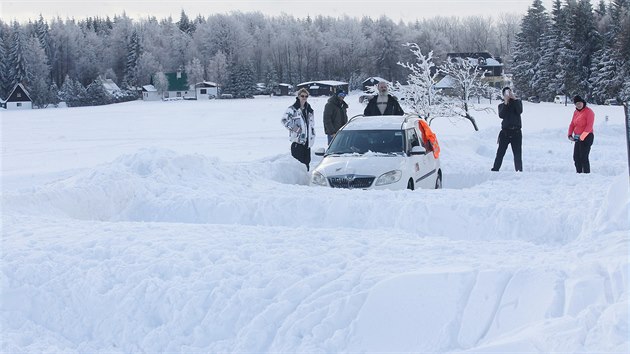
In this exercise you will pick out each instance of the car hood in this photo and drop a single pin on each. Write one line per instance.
(363, 165)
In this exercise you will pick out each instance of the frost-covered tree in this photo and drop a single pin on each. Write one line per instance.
(160, 82)
(194, 71)
(37, 83)
(147, 66)
(420, 95)
(468, 80)
(217, 68)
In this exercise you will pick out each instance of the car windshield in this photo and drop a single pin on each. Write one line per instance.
(362, 141)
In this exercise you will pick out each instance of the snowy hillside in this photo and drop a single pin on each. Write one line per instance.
(186, 226)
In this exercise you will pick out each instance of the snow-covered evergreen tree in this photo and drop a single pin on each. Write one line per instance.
(185, 25)
(5, 81)
(17, 66)
(585, 41)
(548, 77)
(133, 55)
(96, 94)
(528, 47)
(241, 81)
(53, 94)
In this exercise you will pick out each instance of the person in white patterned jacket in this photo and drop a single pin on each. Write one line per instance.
(299, 119)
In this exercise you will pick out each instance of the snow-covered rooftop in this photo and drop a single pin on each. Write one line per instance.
(149, 88)
(110, 86)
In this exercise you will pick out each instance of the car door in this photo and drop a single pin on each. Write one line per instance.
(423, 166)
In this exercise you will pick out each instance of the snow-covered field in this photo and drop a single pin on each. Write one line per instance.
(187, 227)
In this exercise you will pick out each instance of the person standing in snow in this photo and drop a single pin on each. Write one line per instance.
(335, 114)
(383, 103)
(299, 120)
(581, 132)
(510, 112)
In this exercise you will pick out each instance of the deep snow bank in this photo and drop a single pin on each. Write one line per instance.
(161, 185)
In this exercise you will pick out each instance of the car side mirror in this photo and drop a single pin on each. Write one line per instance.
(418, 150)
(320, 151)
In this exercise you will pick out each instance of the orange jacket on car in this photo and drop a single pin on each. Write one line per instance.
(429, 140)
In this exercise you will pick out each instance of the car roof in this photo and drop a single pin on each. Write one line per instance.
(380, 122)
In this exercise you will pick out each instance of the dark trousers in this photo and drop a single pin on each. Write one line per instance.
(580, 154)
(513, 137)
(301, 153)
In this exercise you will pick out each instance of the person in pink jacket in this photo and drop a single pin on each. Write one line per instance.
(581, 132)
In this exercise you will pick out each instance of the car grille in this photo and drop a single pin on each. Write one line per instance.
(350, 181)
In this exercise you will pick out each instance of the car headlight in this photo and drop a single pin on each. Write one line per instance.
(389, 177)
(318, 179)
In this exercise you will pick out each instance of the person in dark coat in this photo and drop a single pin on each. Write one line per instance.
(383, 103)
(335, 114)
(510, 112)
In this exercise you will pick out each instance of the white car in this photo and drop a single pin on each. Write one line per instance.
(378, 152)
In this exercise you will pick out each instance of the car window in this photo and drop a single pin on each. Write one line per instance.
(362, 141)
(412, 139)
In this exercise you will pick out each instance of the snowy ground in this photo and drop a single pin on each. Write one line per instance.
(187, 227)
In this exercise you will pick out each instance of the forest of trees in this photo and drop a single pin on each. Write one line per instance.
(573, 48)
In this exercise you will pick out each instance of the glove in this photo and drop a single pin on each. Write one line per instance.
(570, 137)
(576, 137)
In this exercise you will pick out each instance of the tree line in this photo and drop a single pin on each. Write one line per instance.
(44, 55)
(574, 49)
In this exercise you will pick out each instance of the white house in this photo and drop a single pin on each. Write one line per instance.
(206, 90)
(18, 99)
(150, 93)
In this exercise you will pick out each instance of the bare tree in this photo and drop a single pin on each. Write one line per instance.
(420, 94)
(468, 80)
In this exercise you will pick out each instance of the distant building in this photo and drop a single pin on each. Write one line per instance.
(178, 86)
(206, 90)
(371, 82)
(283, 90)
(18, 99)
(111, 87)
(324, 88)
(150, 93)
(486, 62)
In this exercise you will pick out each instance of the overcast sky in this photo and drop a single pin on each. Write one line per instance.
(408, 10)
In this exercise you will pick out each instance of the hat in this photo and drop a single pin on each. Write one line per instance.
(342, 93)
(505, 89)
(578, 98)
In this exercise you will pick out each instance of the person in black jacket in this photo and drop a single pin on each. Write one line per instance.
(383, 103)
(510, 111)
(335, 114)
